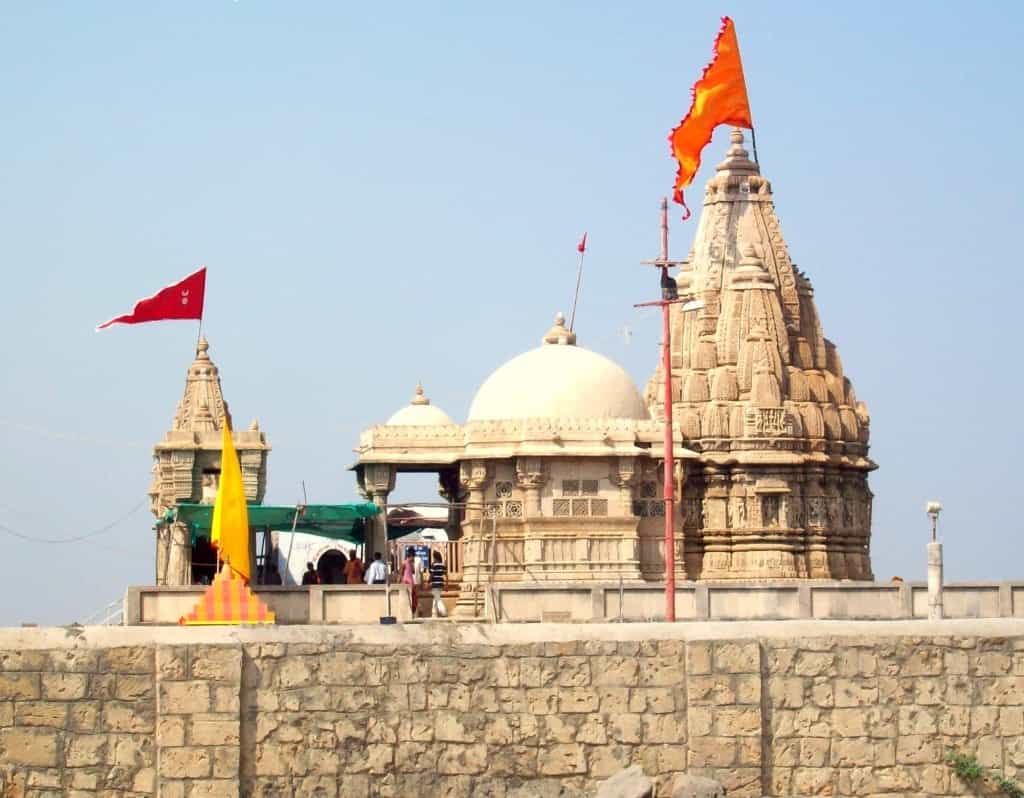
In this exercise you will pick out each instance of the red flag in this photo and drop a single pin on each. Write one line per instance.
(183, 300)
(719, 98)
(582, 246)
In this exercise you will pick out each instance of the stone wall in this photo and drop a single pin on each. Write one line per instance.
(784, 708)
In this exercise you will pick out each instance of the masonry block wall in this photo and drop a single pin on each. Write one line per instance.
(373, 712)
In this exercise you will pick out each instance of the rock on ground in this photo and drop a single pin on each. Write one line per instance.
(629, 783)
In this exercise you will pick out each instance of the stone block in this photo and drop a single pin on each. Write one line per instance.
(515, 761)
(737, 658)
(84, 716)
(29, 747)
(170, 730)
(855, 693)
(737, 721)
(685, 786)
(226, 761)
(127, 659)
(130, 750)
(6, 713)
(73, 660)
(458, 759)
(134, 688)
(119, 716)
(171, 663)
(662, 672)
(23, 660)
(185, 763)
(562, 759)
(668, 728)
(617, 672)
(852, 752)
(184, 698)
(216, 663)
(606, 760)
(213, 729)
(41, 713)
(64, 686)
(717, 690)
(786, 692)
(84, 750)
(630, 783)
(814, 752)
(577, 699)
(19, 686)
(712, 752)
(213, 788)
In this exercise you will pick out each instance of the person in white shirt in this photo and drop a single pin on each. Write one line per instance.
(377, 573)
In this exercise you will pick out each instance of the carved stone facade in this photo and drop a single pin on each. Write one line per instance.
(186, 464)
(761, 395)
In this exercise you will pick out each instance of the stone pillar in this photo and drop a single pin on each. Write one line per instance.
(179, 560)
(623, 474)
(474, 475)
(530, 478)
(718, 537)
(935, 581)
(378, 482)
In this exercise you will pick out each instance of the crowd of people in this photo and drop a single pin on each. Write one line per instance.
(411, 573)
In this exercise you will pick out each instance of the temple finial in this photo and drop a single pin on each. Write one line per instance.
(419, 398)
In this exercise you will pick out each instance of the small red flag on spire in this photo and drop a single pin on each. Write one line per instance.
(582, 246)
(182, 300)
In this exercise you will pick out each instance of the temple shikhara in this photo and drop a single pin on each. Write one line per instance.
(556, 474)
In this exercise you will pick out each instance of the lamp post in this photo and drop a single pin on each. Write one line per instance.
(669, 296)
(935, 609)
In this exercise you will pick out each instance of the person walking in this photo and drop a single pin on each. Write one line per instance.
(377, 573)
(438, 572)
(311, 577)
(353, 569)
(409, 576)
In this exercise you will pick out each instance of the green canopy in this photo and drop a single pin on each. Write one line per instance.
(336, 521)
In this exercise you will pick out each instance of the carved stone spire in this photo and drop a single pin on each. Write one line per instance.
(202, 408)
(765, 396)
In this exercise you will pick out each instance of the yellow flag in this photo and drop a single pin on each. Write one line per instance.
(229, 531)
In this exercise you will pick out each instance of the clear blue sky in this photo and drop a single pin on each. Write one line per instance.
(393, 192)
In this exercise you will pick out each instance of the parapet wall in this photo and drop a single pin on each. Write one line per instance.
(783, 708)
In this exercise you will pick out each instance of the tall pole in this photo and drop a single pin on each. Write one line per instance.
(670, 467)
(670, 462)
(668, 298)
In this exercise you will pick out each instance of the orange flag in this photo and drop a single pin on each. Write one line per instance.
(719, 98)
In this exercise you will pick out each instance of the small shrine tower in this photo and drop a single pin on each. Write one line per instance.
(186, 464)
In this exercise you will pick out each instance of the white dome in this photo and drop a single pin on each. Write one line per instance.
(558, 380)
(419, 413)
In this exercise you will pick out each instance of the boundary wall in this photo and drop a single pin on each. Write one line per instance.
(515, 602)
(768, 708)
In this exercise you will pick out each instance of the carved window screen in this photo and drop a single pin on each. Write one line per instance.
(770, 510)
(503, 490)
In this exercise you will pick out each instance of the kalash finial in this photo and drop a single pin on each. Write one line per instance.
(559, 333)
(419, 398)
(202, 345)
(737, 159)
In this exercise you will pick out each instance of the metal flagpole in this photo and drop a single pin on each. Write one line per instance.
(753, 143)
(668, 298)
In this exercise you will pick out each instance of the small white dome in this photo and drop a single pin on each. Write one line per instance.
(419, 413)
(558, 380)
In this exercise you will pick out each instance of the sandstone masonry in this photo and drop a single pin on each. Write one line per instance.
(786, 708)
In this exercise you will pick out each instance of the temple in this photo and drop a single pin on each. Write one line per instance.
(556, 475)
(186, 465)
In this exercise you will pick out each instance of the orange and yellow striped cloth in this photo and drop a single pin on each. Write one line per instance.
(229, 600)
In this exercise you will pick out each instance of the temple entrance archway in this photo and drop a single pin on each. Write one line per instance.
(330, 567)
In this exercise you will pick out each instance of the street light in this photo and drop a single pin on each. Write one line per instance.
(935, 609)
(669, 296)
(933, 508)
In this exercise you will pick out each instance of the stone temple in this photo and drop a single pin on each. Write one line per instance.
(556, 475)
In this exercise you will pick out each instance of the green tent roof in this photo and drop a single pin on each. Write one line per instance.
(337, 521)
